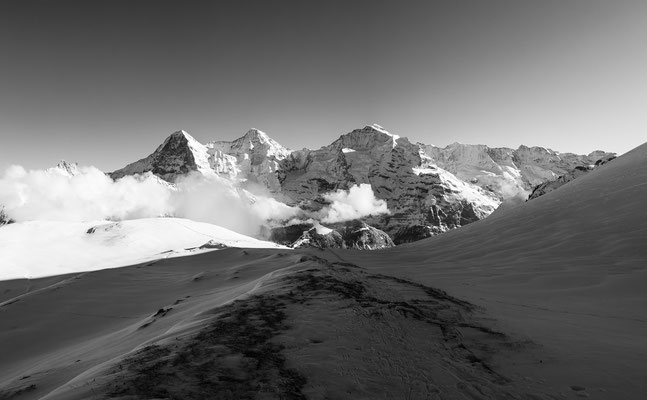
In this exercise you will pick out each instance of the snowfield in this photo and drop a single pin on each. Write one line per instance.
(37, 249)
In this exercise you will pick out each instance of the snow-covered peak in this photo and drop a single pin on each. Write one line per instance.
(254, 143)
(188, 137)
(65, 168)
(257, 135)
(378, 128)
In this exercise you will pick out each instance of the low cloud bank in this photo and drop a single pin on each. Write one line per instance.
(91, 195)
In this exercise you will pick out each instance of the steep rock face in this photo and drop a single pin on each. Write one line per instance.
(575, 173)
(178, 155)
(416, 192)
(504, 171)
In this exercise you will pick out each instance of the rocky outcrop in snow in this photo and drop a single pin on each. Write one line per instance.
(350, 235)
(359, 235)
(4, 218)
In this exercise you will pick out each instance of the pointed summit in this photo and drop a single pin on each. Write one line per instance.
(254, 133)
(255, 144)
(179, 154)
(65, 168)
(178, 138)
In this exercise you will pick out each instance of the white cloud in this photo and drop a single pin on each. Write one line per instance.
(219, 201)
(358, 202)
(90, 195)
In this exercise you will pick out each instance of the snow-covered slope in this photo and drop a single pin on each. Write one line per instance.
(44, 248)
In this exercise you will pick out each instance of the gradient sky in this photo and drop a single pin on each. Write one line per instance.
(103, 83)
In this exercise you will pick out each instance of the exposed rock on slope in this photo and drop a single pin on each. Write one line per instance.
(578, 171)
(320, 238)
(359, 235)
(4, 218)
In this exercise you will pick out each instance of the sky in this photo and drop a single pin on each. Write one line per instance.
(103, 83)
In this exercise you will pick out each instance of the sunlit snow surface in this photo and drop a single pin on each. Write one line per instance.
(43, 248)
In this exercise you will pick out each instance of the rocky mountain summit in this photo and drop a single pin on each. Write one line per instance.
(427, 189)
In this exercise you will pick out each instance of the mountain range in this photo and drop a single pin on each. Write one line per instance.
(427, 189)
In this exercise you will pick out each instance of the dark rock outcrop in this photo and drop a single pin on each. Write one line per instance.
(350, 235)
(4, 218)
(575, 173)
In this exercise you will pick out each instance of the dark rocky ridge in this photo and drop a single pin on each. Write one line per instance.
(575, 173)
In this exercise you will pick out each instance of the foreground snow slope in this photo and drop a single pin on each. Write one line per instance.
(44, 248)
(567, 270)
(600, 215)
